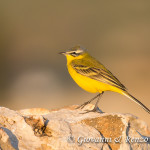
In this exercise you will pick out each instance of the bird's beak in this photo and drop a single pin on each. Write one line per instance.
(62, 53)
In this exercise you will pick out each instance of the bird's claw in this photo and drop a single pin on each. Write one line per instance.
(83, 105)
(95, 109)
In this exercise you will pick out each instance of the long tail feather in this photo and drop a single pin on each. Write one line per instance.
(137, 101)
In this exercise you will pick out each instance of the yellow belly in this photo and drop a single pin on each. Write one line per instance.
(91, 85)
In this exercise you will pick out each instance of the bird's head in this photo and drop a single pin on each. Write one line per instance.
(76, 52)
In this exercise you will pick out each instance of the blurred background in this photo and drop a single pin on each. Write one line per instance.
(33, 74)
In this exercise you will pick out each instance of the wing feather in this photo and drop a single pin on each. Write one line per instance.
(99, 74)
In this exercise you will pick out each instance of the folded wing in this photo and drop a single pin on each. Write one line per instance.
(97, 73)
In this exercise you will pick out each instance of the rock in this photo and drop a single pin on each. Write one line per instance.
(71, 129)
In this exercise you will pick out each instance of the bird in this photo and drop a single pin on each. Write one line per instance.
(93, 76)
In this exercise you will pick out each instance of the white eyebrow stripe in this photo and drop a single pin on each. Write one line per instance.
(75, 52)
(79, 51)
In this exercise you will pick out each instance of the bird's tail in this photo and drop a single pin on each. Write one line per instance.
(137, 101)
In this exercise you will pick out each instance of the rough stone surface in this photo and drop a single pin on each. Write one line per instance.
(71, 129)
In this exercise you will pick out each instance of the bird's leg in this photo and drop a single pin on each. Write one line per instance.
(96, 105)
(84, 104)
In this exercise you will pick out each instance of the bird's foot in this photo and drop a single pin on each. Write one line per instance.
(83, 105)
(95, 109)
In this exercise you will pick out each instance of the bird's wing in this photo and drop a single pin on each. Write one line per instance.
(97, 73)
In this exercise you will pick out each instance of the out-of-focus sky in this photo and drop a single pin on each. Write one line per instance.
(33, 74)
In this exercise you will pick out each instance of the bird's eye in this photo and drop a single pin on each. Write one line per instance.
(74, 54)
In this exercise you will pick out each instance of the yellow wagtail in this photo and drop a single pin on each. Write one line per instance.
(93, 77)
